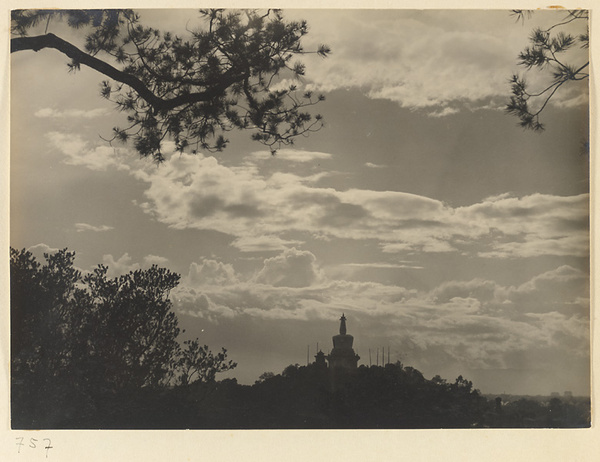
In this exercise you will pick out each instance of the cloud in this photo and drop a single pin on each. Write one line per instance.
(79, 152)
(211, 272)
(563, 290)
(535, 225)
(263, 243)
(371, 165)
(155, 260)
(413, 59)
(292, 268)
(125, 264)
(444, 112)
(259, 210)
(480, 289)
(119, 267)
(423, 59)
(81, 227)
(71, 113)
(383, 265)
(421, 244)
(39, 250)
(292, 155)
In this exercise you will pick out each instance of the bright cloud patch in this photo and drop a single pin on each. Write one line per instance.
(121, 266)
(211, 272)
(292, 155)
(71, 113)
(125, 264)
(39, 250)
(534, 225)
(81, 227)
(564, 289)
(155, 260)
(443, 112)
(263, 243)
(79, 152)
(293, 268)
(383, 265)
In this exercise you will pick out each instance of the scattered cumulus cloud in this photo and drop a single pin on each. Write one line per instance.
(444, 112)
(535, 225)
(81, 227)
(564, 289)
(125, 263)
(39, 250)
(292, 268)
(71, 113)
(150, 260)
(211, 272)
(480, 289)
(119, 267)
(263, 243)
(80, 152)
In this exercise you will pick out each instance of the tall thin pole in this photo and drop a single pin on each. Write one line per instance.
(378, 356)
(383, 356)
(370, 357)
(388, 354)
(307, 353)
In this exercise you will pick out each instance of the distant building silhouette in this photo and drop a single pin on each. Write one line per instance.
(320, 360)
(342, 359)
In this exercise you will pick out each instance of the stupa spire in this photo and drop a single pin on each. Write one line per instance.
(342, 359)
(343, 324)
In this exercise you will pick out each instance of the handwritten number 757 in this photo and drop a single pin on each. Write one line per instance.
(33, 444)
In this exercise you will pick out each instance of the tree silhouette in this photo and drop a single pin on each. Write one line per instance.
(548, 52)
(227, 74)
(79, 340)
(198, 364)
(133, 328)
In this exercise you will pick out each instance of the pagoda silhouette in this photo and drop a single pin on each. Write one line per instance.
(342, 360)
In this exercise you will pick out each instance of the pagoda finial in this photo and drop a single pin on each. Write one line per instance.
(343, 324)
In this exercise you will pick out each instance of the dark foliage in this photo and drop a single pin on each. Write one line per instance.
(192, 89)
(373, 397)
(540, 412)
(80, 342)
(547, 52)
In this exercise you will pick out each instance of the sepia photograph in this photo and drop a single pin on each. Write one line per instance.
(269, 219)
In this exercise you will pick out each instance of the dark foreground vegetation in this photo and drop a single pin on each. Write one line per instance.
(98, 353)
(300, 397)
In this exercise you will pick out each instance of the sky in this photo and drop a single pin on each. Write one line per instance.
(444, 232)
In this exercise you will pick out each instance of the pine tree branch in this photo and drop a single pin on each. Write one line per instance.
(50, 40)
